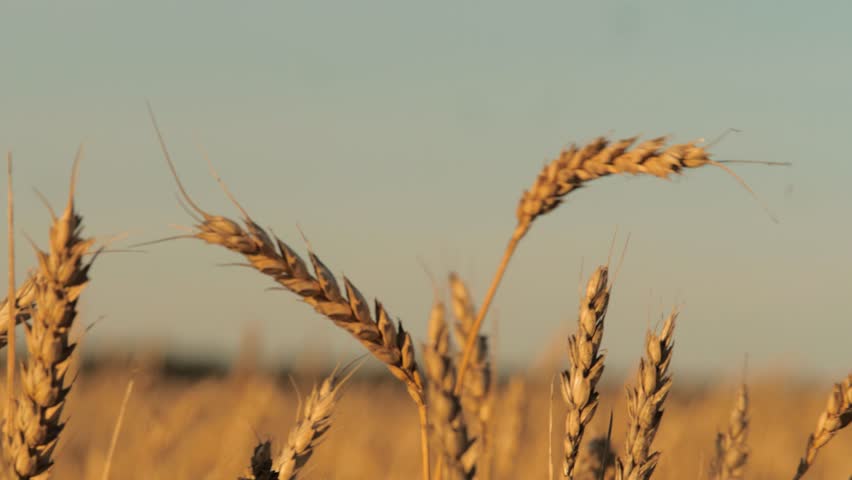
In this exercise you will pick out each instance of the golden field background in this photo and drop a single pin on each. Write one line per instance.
(205, 426)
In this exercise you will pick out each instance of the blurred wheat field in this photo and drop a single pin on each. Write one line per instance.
(206, 428)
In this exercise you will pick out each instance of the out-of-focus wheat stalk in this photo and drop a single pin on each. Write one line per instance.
(269, 255)
(60, 279)
(732, 445)
(457, 460)
(572, 169)
(587, 363)
(476, 392)
(645, 405)
(513, 409)
(837, 415)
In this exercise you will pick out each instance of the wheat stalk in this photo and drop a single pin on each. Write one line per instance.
(587, 364)
(837, 415)
(732, 446)
(645, 405)
(445, 410)
(477, 389)
(269, 255)
(572, 169)
(61, 277)
(512, 425)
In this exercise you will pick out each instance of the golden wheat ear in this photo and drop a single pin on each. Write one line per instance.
(836, 416)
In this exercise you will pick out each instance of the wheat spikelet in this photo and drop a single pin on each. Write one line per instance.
(587, 364)
(61, 277)
(837, 415)
(24, 298)
(445, 409)
(476, 391)
(645, 405)
(573, 168)
(731, 446)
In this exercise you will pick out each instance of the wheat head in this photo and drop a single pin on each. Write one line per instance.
(837, 415)
(587, 364)
(645, 405)
(445, 409)
(56, 287)
(732, 446)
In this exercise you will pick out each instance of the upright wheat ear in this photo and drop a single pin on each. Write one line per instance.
(57, 284)
(837, 415)
(732, 446)
(572, 169)
(645, 405)
(579, 382)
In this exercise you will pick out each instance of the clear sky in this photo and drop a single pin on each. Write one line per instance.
(391, 131)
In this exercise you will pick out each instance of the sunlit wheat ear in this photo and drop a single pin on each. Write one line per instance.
(456, 450)
(837, 415)
(732, 445)
(579, 382)
(476, 392)
(314, 421)
(345, 306)
(645, 405)
(574, 168)
(57, 284)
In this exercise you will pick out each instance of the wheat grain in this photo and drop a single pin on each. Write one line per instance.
(24, 299)
(837, 415)
(587, 363)
(732, 447)
(645, 405)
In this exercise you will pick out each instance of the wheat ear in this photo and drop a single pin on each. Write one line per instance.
(645, 405)
(579, 382)
(457, 459)
(269, 255)
(61, 277)
(732, 446)
(837, 415)
(572, 169)
(261, 463)
(512, 424)
(476, 392)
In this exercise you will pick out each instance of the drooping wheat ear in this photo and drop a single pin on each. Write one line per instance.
(350, 311)
(579, 382)
(476, 392)
(837, 415)
(25, 297)
(645, 405)
(512, 425)
(570, 171)
(596, 460)
(60, 279)
(314, 421)
(732, 445)
(445, 409)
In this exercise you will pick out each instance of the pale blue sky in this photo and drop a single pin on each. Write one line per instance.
(396, 130)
